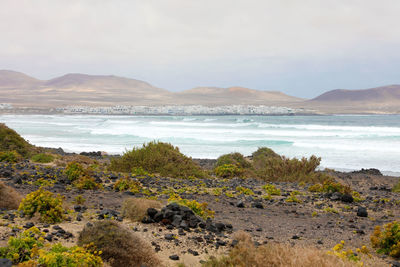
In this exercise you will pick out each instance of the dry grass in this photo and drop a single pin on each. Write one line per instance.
(119, 245)
(9, 197)
(245, 254)
(135, 209)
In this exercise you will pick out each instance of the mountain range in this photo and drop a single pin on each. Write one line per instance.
(21, 90)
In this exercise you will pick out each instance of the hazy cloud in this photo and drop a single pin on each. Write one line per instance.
(301, 47)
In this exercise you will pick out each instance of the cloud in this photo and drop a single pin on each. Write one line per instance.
(167, 38)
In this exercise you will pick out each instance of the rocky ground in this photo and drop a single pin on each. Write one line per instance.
(317, 219)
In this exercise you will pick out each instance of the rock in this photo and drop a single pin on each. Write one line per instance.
(169, 237)
(221, 243)
(151, 212)
(48, 238)
(29, 225)
(240, 204)
(347, 198)
(362, 212)
(257, 205)
(5, 263)
(336, 196)
(195, 253)
(295, 237)
(174, 257)
(395, 264)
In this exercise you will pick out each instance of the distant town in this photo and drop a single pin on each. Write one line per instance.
(162, 110)
(183, 110)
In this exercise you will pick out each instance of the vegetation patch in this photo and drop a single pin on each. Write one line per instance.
(43, 158)
(245, 253)
(10, 198)
(10, 140)
(127, 184)
(330, 186)
(46, 204)
(10, 156)
(396, 188)
(28, 250)
(160, 158)
(228, 171)
(198, 208)
(119, 246)
(135, 209)
(387, 240)
(87, 183)
(74, 170)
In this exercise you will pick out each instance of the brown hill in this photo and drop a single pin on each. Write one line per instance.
(77, 89)
(233, 96)
(9, 78)
(389, 93)
(385, 99)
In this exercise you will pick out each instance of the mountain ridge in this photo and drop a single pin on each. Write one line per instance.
(22, 90)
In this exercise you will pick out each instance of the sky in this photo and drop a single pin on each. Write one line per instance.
(302, 48)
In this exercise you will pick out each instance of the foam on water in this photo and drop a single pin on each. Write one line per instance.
(343, 142)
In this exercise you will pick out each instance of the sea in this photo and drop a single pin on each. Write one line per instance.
(344, 142)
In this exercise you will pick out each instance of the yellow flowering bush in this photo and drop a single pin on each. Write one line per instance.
(198, 208)
(48, 205)
(228, 171)
(60, 256)
(388, 240)
(87, 183)
(19, 249)
(74, 171)
(272, 190)
(339, 251)
(330, 186)
(124, 184)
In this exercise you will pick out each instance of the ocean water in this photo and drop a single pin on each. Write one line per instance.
(347, 142)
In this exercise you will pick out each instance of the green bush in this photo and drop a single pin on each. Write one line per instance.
(19, 249)
(236, 159)
(27, 249)
(60, 256)
(160, 158)
(11, 140)
(74, 170)
(388, 240)
(330, 186)
(228, 171)
(126, 183)
(42, 158)
(10, 156)
(87, 183)
(291, 170)
(46, 204)
(271, 190)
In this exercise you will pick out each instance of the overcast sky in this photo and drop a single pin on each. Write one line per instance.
(302, 48)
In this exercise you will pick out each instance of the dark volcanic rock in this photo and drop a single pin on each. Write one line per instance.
(362, 212)
(5, 263)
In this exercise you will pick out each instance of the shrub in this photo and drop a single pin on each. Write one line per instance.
(244, 190)
(290, 170)
(43, 158)
(19, 248)
(60, 256)
(10, 198)
(119, 246)
(228, 171)
(49, 207)
(198, 208)
(135, 209)
(270, 189)
(28, 250)
(330, 186)
(126, 183)
(87, 183)
(11, 140)
(388, 240)
(74, 170)
(10, 156)
(261, 155)
(158, 157)
(245, 253)
(79, 200)
(236, 159)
